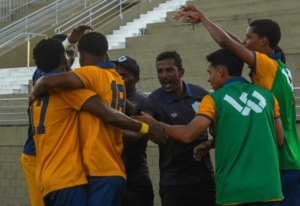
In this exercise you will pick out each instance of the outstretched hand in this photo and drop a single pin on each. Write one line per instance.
(78, 32)
(146, 118)
(189, 14)
(157, 134)
(201, 150)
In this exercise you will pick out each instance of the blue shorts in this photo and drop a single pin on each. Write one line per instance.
(290, 181)
(105, 191)
(72, 196)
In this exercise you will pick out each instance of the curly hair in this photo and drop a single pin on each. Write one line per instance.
(170, 55)
(47, 54)
(233, 64)
(93, 43)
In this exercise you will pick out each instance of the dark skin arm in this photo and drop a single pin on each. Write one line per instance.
(115, 118)
(64, 80)
(131, 136)
(279, 132)
(184, 134)
(220, 35)
(192, 8)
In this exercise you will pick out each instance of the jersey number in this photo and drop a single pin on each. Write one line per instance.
(286, 72)
(249, 105)
(117, 89)
(41, 127)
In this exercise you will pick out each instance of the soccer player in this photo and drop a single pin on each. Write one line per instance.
(183, 181)
(139, 190)
(28, 154)
(269, 72)
(101, 143)
(247, 167)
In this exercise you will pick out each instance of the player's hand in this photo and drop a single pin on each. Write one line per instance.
(189, 8)
(189, 14)
(146, 118)
(156, 134)
(201, 150)
(32, 96)
(78, 32)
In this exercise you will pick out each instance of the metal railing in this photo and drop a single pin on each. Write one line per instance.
(25, 120)
(9, 7)
(96, 12)
(37, 22)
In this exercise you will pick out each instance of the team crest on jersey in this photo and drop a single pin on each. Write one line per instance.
(196, 106)
(174, 114)
(122, 58)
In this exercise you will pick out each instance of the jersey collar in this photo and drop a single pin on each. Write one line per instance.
(51, 72)
(169, 99)
(236, 79)
(106, 65)
(275, 56)
(131, 92)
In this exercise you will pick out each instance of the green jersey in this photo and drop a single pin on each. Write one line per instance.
(273, 75)
(247, 167)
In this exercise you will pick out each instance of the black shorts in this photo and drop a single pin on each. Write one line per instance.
(138, 194)
(199, 194)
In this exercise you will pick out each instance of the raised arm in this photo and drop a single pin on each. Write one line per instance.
(192, 8)
(220, 35)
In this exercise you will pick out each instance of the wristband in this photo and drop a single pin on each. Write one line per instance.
(67, 45)
(144, 129)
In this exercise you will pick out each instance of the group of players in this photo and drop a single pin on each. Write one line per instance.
(79, 124)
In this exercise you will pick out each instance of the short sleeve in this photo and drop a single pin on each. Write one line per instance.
(148, 106)
(264, 70)
(77, 98)
(276, 108)
(88, 76)
(207, 108)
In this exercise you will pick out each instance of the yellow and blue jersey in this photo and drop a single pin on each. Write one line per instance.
(55, 123)
(102, 143)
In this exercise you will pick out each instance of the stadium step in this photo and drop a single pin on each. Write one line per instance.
(136, 27)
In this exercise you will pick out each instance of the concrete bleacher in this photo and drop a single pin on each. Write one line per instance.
(193, 41)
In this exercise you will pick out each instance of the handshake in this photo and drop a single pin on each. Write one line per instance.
(156, 129)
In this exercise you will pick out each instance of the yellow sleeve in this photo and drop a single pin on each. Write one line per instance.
(276, 108)
(207, 108)
(88, 76)
(77, 98)
(264, 70)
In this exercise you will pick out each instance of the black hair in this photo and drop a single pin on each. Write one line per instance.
(170, 55)
(233, 64)
(267, 28)
(60, 37)
(279, 50)
(47, 54)
(93, 43)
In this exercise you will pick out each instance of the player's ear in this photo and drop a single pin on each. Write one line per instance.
(222, 71)
(264, 41)
(181, 72)
(136, 79)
